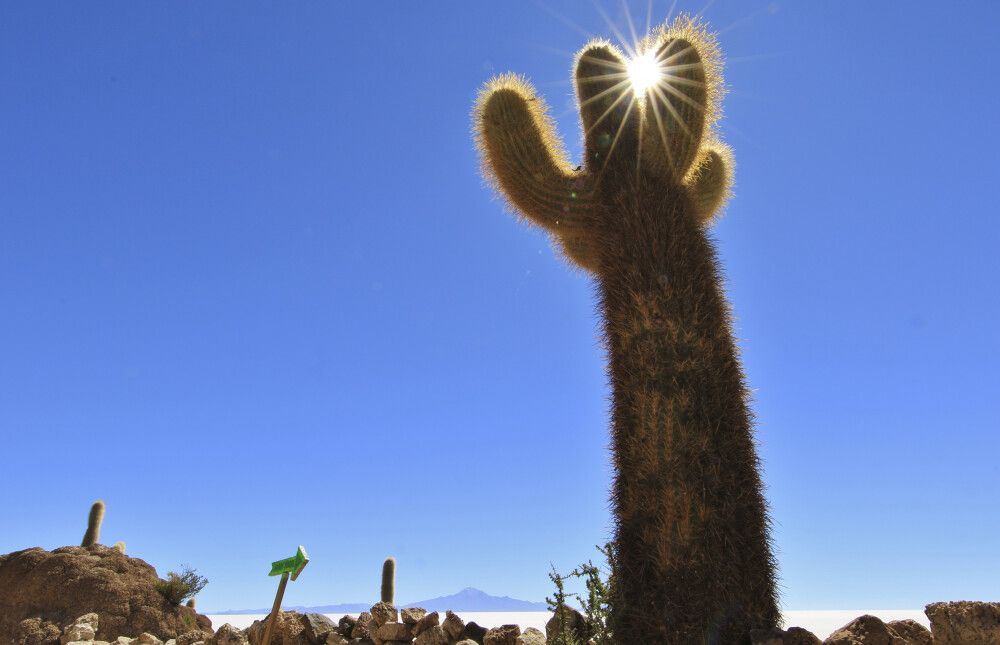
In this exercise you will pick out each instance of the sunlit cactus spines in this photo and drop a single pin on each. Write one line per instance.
(389, 580)
(93, 534)
(691, 552)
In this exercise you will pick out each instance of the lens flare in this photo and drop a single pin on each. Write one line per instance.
(644, 72)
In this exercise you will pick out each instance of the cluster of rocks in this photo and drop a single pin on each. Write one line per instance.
(84, 631)
(952, 623)
(382, 625)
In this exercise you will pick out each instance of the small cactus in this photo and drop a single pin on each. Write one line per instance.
(120, 546)
(389, 580)
(191, 603)
(93, 533)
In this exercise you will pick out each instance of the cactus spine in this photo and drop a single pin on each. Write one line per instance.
(691, 551)
(389, 580)
(93, 534)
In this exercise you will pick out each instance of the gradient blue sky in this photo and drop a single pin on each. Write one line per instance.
(254, 294)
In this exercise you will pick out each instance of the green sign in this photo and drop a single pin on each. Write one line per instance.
(293, 565)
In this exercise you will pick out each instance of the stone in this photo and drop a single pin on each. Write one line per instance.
(35, 631)
(467, 641)
(345, 625)
(964, 622)
(411, 615)
(362, 627)
(146, 638)
(91, 619)
(574, 621)
(394, 632)
(382, 613)
(452, 626)
(912, 632)
(777, 636)
(474, 632)
(187, 638)
(125, 640)
(502, 635)
(531, 636)
(864, 630)
(316, 627)
(428, 621)
(77, 632)
(288, 630)
(433, 635)
(172, 641)
(336, 638)
(227, 635)
(61, 585)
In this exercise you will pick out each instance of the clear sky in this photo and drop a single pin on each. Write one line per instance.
(254, 294)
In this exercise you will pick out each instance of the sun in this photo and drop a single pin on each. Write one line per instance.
(644, 72)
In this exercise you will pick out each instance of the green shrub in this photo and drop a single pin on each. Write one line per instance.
(180, 586)
(595, 605)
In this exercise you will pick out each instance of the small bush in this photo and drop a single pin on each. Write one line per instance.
(596, 607)
(180, 586)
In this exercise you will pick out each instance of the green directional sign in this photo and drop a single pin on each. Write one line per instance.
(293, 565)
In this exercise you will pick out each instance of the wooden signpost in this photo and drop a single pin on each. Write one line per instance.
(294, 566)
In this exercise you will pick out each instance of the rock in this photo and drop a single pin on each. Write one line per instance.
(467, 641)
(91, 619)
(428, 621)
(336, 638)
(345, 625)
(363, 626)
(77, 632)
(531, 636)
(187, 638)
(474, 632)
(146, 638)
(502, 635)
(226, 635)
(964, 622)
(865, 630)
(382, 613)
(35, 631)
(316, 627)
(394, 632)
(912, 632)
(125, 640)
(777, 636)
(453, 626)
(288, 630)
(172, 641)
(574, 621)
(432, 635)
(60, 585)
(411, 615)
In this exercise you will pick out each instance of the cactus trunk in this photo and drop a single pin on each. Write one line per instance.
(93, 534)
(691, 545)
(389, 580)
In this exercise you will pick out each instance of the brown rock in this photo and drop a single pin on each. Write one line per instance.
(316, 627)
(227, 635)
(531, 636)
(964, 622)
(363, 626)
(428, 621)
(776, 636)
(78, 632)
(35, 631)
(865, 630)
(433, 635)
(474, 632)
(59, 586)
(453, 626)
(912, 632)
(194, 636)
(412, 615)
(574, 621)
(467, 641)
(502, 635)
(395, 632)
(345, 625)
(288, 630)
(382, 613)
(336, 638)
(146, 638)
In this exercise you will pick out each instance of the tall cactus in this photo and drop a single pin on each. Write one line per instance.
(93, 534)
(691, 549)
(389, 580)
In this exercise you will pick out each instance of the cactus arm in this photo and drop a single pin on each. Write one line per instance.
(93, 533)
(608, 111)
(710, 181)
(678, 113)
(524, 158)
(388, 591)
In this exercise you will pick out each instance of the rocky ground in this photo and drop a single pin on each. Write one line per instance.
(99, 596)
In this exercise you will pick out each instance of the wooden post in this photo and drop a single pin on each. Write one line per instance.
(273, 616)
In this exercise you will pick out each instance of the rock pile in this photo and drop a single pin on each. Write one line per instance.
(42, 591)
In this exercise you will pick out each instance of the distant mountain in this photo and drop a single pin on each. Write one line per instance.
(467, 599)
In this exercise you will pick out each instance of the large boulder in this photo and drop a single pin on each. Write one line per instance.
(289, 629)
(964, 622)
(572, 620)
(502, 635)
(777, 636)
(911, 631)
(865, 630)
(56, 587)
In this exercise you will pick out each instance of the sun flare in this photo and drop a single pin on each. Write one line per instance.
(644, 72)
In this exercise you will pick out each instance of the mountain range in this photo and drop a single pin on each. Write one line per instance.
(468, 599)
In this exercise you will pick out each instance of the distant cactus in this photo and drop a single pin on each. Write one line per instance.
(691, 551)
(191, 603)
(93, 534)
(389, 580)
(120, 546)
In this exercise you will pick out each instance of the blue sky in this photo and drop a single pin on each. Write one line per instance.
(254, 294)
